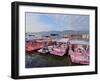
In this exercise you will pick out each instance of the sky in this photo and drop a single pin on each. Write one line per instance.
(38, 22)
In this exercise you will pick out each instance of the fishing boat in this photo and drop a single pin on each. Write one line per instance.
(60, 48)
(33, 45)
(56, 47)
(79, 52)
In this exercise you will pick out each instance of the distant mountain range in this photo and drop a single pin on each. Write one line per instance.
(44, 33)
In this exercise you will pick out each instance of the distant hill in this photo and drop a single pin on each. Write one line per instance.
(47, 33)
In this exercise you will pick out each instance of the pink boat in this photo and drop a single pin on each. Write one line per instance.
(58, 51)
(79, 55)
(61, 48)
(31, 46)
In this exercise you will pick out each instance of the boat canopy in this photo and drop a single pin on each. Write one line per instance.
(83, 42)
(64, 40)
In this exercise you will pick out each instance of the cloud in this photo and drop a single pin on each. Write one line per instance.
(36, 22)
(73, 22)
(33, 23)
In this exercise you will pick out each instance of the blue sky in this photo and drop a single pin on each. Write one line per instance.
(36, 22)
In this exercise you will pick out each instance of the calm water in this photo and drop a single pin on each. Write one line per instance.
(47, 60)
